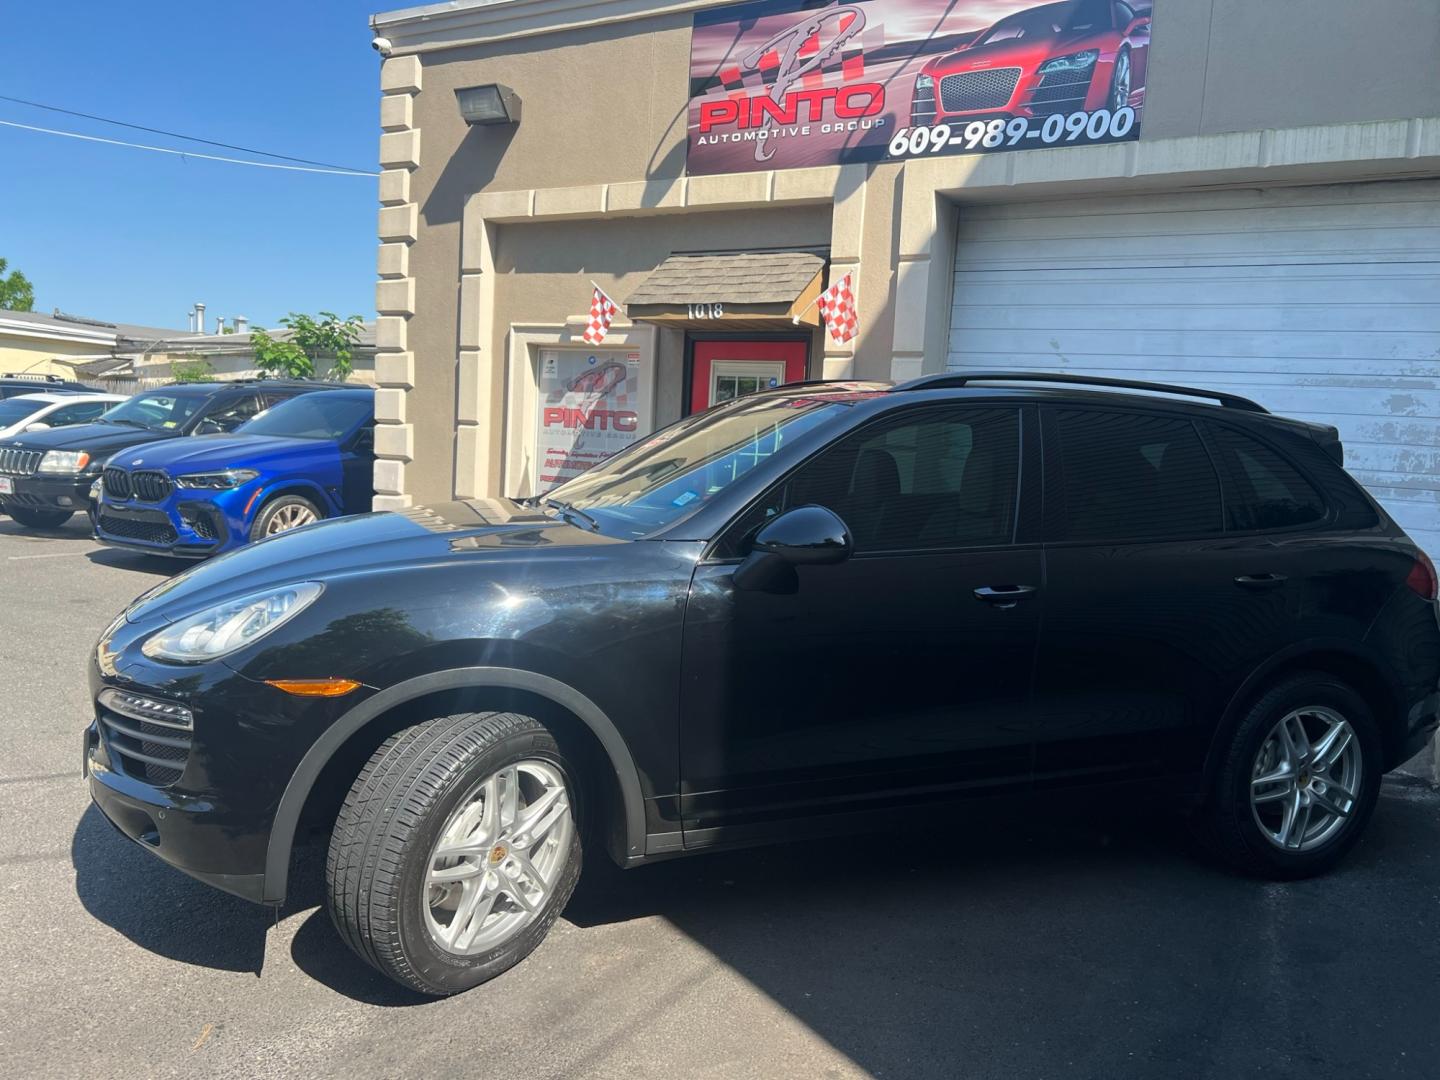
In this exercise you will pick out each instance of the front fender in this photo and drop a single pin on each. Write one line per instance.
(287, 816)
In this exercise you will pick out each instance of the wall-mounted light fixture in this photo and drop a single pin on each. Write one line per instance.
(489, 104)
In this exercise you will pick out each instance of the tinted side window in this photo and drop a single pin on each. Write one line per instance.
(1265, 491)
(939, 478)
(233, 412)
(1134, 476)
(78, 414)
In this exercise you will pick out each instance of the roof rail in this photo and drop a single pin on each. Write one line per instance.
(30, 378)
(954, 379)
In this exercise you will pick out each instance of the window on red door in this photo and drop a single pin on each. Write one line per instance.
(727, 369)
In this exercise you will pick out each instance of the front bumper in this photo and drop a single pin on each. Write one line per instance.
(185, 831)
(188, 529)
(67, 492)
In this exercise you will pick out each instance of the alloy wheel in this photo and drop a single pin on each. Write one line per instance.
(289, 517)
(1120, 84)
(1305, 784)
(498, 857)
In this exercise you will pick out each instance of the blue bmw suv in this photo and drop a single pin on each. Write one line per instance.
(305, 459)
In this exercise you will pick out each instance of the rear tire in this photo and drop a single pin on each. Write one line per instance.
(493, 790)
(39, 519)
(1298, 781)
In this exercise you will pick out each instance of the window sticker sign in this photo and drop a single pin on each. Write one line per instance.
(783, 84)
(592, 404)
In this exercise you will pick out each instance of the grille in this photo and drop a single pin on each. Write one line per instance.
(203, 527)
(116, 483)
(977, 91)
(155, 753)
(1060, 92)
(135, 528)
(147, 486)
(19, 462)
(151, 486)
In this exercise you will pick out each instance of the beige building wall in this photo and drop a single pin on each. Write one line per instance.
(488, 226)
(33, 357)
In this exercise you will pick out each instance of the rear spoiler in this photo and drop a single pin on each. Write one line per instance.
(1329, 440)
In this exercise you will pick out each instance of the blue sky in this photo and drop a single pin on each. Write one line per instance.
(127, 235)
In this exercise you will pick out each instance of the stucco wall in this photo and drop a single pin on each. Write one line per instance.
(606, 104)
(22, 356)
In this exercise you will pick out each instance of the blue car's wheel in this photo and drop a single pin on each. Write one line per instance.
(283, 514)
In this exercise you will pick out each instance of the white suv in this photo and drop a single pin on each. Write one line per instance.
(38, 412)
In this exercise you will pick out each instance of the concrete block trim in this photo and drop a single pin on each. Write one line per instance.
(400, 149)
(395, 369)
(392, 260)
(400, 222)
(397, 112)
(401, 75)
(394, 187)
(395, 297)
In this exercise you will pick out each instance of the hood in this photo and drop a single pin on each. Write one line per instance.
(1025, 53)
(212, 453)
(101, 440)
(425, 536)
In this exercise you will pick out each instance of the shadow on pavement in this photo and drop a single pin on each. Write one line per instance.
(158, 565)
(1065, 941)
(159, 908)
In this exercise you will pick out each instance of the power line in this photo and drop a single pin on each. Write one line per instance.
(185, 153)
(177, 135)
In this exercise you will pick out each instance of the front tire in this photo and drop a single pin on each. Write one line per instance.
(39, 519)
(283, 514)
(1298, 781)
(1120, 82)
(456, 850)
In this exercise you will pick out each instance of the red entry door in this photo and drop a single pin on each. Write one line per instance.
(729, 369)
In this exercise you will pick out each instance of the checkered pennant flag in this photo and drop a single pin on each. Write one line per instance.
(837, 307)
(602, 314)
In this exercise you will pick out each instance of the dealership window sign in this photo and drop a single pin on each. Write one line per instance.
(782, 85)
(591, 404)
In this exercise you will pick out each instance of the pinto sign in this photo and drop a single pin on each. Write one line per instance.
(779, 84)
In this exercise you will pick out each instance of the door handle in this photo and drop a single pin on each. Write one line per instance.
(1003, 597)
(1261, 581)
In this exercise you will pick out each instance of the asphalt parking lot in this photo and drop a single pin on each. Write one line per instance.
(1093, 943)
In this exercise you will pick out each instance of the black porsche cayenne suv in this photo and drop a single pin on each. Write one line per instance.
(810, 609)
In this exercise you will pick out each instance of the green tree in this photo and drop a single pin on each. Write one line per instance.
(197, 370)
(16, 292)
(327, 338)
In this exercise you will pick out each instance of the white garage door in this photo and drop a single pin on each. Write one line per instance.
(1321, 303)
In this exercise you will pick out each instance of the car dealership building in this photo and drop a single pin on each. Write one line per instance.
(1239, 194)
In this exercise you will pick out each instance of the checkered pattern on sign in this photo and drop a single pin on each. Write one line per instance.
(602, 313)
(837, 308)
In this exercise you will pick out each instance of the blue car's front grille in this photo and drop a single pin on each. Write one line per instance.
(157, 530)
(151, 487)
(146, 485)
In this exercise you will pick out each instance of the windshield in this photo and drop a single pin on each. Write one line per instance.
(1047, 21)
(679, 469)
(13, 410)
(319, 415)
(156, 411)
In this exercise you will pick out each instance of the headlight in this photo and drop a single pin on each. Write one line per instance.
(1074, 62)
(220, 630)
(217, 481)
(64, 461)
(924, 82)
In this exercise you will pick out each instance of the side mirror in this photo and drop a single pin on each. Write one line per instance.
(805, 536)
(209, 427)
(37, 426)
(364, 441)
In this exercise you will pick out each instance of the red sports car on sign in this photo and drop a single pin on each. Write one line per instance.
(1080, 55)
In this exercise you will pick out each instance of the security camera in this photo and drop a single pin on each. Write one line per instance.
(382, 45)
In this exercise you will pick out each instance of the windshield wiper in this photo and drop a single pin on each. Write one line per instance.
(566, 508)
(130, 423)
